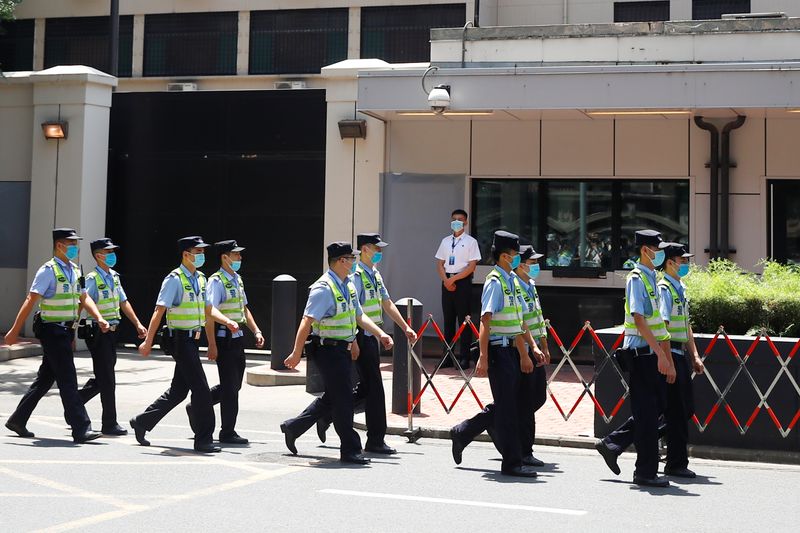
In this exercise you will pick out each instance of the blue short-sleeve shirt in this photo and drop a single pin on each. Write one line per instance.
(492, 297)
(108, 279)
(639, 302)
(665, 304)
(44, 282)
(216, 294)
(362, 293)
(171, 292)
(321, 303)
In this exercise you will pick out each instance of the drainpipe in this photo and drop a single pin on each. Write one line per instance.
(464, 42)
(713, 208)
(113, 52)
(566, 17)
(477, 17)
(725, 172)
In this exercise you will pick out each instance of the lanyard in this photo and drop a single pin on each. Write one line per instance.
(453, 243)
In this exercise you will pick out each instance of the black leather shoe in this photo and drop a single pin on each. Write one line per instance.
(207, 448)
(86, 436)
(189, 415)
(658, 481)
(680, 472)
(290, 438)
(20, 430)
(519, 471)
(322, 428)
(530, 460)
(355, 458)
(458, 446)
(139, 432)
(381, 448)
(233, 439)
(115, 430)
(609, 456)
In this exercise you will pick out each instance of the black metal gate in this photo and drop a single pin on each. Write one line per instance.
(237, 165)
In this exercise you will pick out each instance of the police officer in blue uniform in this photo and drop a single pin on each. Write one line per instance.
(646, 351)
(334, 314)
(673, 306)
(104, 287)
(58, 289)
(226, 300)
(183, 299)
(375, 300)
(503, 339)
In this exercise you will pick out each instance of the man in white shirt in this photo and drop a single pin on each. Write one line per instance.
(456, 258)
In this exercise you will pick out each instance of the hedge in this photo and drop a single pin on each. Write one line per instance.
(745, 303)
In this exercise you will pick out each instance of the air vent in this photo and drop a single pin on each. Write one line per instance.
(290, 84)
(181, 87)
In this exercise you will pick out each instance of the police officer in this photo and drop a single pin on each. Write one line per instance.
(333, 313)
(104, 287)
(646, 347)
(503, 355)
(58, 289)
(533, 386)
(183, 299)
(680, 397)
(374, 299)
(227, 301)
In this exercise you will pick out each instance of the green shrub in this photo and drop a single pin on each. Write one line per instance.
(745, 303)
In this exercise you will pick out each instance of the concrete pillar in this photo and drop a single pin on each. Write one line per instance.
(138, 46)
(243, 44)
(354, 33)
(38, 44)
(68, 177)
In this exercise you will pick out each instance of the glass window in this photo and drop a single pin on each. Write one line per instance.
(85, 41)
(580, 224)
(16, 45)
(297, 41)
(190, 44)
(402, 34)
(785, 220)
(714, 9)
(511, 205)
(650, 11)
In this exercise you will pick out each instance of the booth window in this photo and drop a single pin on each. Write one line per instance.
(580, 225)
(84, 41)
(402, 34)
(190, 44)
(647, 11)
(297, 41)
(784, 223)
(714, 9)
(16, 45)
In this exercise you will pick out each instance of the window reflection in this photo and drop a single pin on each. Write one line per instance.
(579, 224)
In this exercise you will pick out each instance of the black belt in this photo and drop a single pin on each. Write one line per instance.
(190, 333)
(68, 325)
(337, 343)
(503, 344)
(637, 352)
(449, 275)
(676, 346)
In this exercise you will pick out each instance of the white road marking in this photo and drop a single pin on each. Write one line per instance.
(404, 497)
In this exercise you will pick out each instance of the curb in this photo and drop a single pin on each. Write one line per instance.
(697, 451)
(19, 351)
(264, 376)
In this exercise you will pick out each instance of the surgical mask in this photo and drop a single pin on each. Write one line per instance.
(515, 262)
(236, 265)
(199, 260)
(456, 225)
(353, 267)
(534, 270)
(683, 270)
(658, 260)
(111, 259)
(376, 257)
(72, 252)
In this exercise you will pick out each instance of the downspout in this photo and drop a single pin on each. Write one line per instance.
(464, 42)
(566, 13)
(477, 17)
(725, 188)
(713, 207)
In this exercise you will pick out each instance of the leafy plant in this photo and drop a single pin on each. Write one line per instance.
(7, 8)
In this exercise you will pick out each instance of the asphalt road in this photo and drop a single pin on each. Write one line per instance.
(47, 483)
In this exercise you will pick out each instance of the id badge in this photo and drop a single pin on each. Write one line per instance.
(452, 260)
(197, 335)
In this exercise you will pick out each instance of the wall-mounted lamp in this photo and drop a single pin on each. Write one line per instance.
(353, 129)
(55, 130)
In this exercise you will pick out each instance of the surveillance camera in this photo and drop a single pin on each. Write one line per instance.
(439, 99)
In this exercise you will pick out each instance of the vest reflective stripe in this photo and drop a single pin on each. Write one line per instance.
(678, 326)
(654, 321)
(532, 314)
(508, 322)
(109, 306)
(191, 313)
(342, 325)
(372, 304)
(233, 306)
(63, 305)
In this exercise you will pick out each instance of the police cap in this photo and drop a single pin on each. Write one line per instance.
(226, 247)
(504, 240)
(194, 241)
(340, 248)
(649, 237)
(103, 244)
(526, 252)
(65, 233)
(370, 238)
(676, 249)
